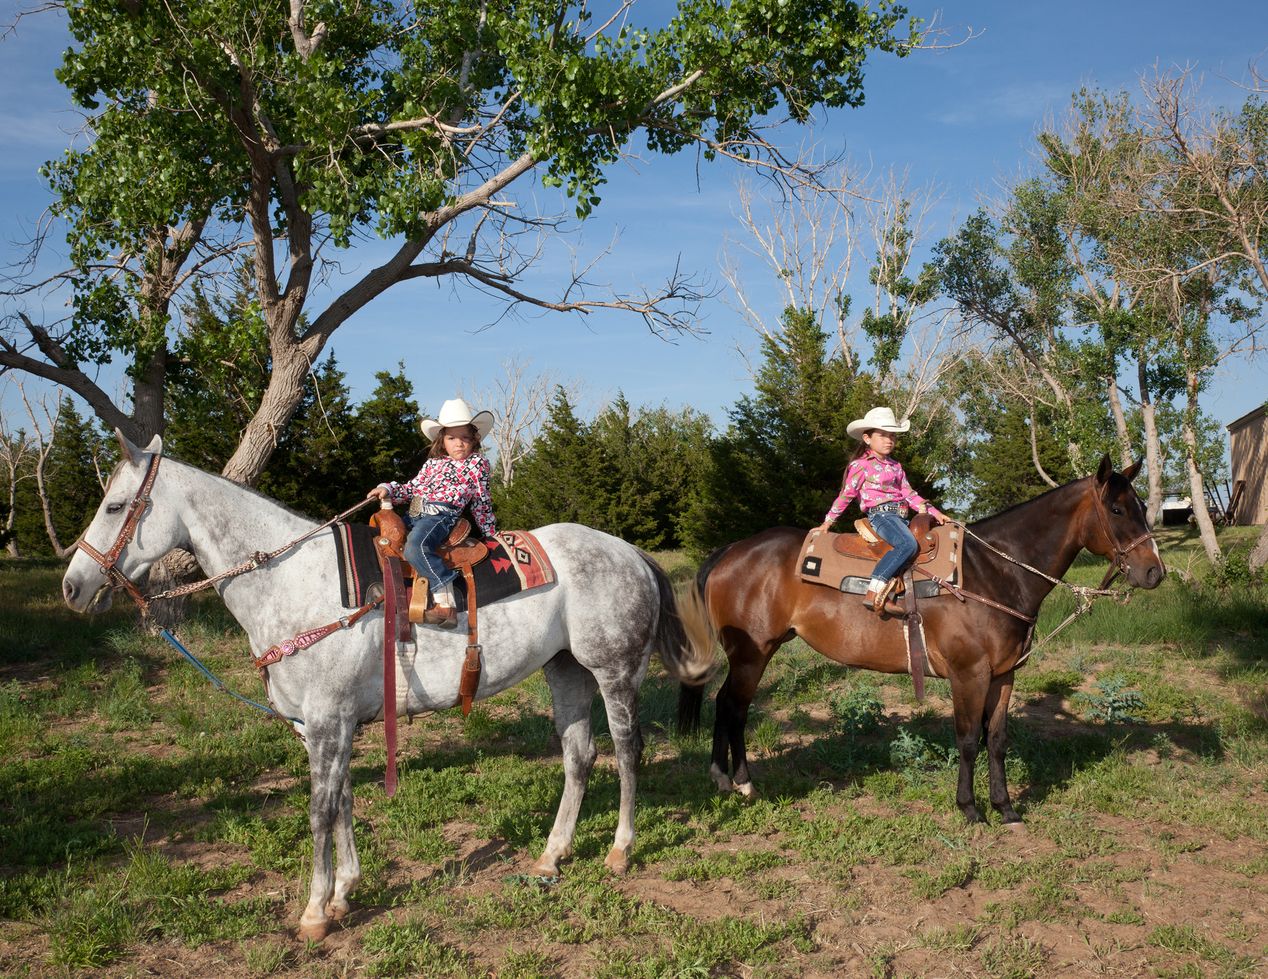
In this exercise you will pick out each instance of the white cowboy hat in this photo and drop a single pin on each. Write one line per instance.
(882, 418)
(454, 414)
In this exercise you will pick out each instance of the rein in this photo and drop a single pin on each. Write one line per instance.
(1084, 595)
(109, 563)
(142, 502)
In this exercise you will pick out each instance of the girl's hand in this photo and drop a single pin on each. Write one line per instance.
(379, 492)
(939, 518)
(823, 527)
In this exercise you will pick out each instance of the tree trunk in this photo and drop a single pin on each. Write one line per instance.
(1153, 448)
(1197, 488)
(174, 568)
(11, 548)
(1259, 556)
(259, 438)
(1120, 425)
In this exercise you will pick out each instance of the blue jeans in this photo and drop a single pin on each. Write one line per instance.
(426, 531)
(892, 529)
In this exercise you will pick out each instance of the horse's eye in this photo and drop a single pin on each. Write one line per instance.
(114, 508)
(1116, 510)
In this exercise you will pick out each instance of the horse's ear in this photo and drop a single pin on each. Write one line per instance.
(129, 452)
(156, 446)
(1104, 470)
(1132, 471)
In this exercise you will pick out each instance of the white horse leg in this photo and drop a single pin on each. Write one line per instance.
(572, 688)
(621, 700)
(348, 867)
(329, 750)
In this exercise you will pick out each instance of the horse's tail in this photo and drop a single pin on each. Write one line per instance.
(700, 627)
(683, 635)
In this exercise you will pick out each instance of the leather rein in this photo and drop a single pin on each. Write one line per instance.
(141, 501)
(1083, 594)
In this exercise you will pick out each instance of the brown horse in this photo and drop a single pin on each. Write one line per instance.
(756, 602)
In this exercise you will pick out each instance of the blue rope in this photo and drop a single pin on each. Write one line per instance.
(219, 684)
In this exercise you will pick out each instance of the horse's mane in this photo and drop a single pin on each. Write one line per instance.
(1026, 503)
(250, 490)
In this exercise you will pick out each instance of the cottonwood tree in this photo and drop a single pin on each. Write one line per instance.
(1219, 196)
(813, 245)
(520, 402)
(287, 134)
(1101, 166)
(17, 447)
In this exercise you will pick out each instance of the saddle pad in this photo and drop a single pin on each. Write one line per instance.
(517, 562)
(358, 562)
(822, 563)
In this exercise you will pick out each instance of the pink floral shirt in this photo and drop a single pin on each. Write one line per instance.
(455, 483)
(874, 480)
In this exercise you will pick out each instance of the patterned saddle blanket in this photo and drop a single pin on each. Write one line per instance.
(517, 562)
(845, 561)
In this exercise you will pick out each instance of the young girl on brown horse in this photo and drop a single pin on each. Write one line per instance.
(885, 496)
(755, 601)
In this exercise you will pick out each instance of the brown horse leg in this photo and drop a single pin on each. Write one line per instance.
(748, 663)
(996, 721)
(968, 695)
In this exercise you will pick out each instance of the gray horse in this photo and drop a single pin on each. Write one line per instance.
(592, 630)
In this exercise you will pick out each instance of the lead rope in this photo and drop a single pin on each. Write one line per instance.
(1084, 595)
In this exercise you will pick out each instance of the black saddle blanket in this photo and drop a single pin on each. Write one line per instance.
(516, 563)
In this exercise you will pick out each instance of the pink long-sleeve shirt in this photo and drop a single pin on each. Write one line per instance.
(874, 480)
(457, 483)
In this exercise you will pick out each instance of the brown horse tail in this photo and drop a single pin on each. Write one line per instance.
(700, 628)
(686, 651)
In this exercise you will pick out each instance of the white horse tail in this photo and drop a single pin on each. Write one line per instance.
(684, 636)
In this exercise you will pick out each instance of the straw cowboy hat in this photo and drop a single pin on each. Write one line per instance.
(882, 418)
(454, 414)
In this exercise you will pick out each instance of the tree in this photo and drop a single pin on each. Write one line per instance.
(519, 402)
(554, 483)
(318, 466)
(781, 458)
(1014, 455)
(287, 132)
(390, 443)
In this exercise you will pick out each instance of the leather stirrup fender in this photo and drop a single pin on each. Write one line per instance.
(469, 682)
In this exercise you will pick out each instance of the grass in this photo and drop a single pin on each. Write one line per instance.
(142, 816)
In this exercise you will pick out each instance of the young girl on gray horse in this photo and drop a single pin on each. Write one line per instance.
(454, 476)
(884, 495)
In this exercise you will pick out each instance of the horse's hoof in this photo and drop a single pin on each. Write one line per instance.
(1016, 826)
(315, 932)
(747, 790)
(721, 779)
(338, 910)
(545, 868)
(618, 862)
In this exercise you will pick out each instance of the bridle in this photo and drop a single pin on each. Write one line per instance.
(109, 561)
(1118, 561)
(140, 503)
(1083, 594)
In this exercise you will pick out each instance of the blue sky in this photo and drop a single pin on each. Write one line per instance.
(962, 119)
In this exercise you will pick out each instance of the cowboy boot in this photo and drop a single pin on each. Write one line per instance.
(875, 600)
(443, 615)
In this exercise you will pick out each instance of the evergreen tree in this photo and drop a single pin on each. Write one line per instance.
(71, 471)
(554, 483)
(1000, 471)
(391, 445)
(216, 378)
(624, 497)
(780, 461)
